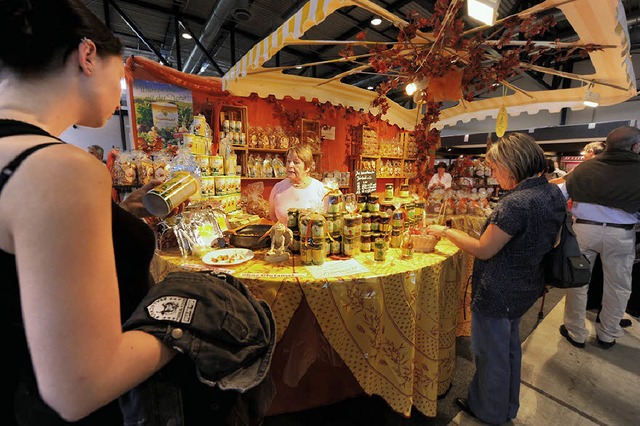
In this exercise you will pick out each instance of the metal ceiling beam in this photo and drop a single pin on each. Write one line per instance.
(204, 52)
(218, 16)
(165, 10)
(138, 32)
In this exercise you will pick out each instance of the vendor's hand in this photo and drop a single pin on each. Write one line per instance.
(133, 203)
(437, 230)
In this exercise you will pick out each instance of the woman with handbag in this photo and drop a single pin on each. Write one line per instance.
(507, 278)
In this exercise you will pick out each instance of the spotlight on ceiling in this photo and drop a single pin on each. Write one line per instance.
(411, 88)
(369, 87)
(484, 11)
(591, 99)
(298, 67)
(186, 35)
(376, 21)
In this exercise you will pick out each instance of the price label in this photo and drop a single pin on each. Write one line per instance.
(365, 181)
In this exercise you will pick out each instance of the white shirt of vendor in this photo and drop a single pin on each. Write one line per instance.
(285, 196)
(444, 180)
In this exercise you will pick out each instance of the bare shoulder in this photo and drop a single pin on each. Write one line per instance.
(56, 174)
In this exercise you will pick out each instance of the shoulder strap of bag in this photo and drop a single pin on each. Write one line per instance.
(12, 128)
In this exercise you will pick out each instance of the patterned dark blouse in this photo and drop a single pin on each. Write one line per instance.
(510, 282)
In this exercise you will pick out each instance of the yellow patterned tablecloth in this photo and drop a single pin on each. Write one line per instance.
(394, 326)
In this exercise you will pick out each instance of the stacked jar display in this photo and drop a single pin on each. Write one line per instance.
(333, 215)
(314, 244)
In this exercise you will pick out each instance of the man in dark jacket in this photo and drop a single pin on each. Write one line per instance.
(606, 199)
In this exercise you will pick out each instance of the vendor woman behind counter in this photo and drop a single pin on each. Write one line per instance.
(299, 190)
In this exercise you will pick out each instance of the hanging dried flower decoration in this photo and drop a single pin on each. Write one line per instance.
(449, 64)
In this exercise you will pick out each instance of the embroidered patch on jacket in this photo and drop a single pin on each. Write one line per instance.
(173, 308)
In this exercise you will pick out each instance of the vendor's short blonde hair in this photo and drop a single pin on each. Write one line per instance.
(596, 148)
(303, 152)
(519, 154)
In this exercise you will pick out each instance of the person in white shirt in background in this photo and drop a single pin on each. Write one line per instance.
(442, 179)
(299, 190)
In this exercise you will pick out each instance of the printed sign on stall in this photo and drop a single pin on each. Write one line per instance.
(365, 181)
(162, 113)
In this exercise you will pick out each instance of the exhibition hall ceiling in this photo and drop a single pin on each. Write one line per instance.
(225, 31)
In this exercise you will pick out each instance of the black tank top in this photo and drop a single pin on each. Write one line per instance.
(134, 244)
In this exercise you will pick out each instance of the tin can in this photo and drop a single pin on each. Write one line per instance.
(170, 194)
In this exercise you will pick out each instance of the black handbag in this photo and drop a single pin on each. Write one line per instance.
(564, 265)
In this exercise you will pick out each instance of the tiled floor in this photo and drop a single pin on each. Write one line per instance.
(561, 384)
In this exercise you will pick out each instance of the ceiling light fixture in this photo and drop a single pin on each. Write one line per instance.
(485, 11)
(298, 67)
(376, 21)
(186, 35)
(591, 99)
(369, 87)
(411, 88)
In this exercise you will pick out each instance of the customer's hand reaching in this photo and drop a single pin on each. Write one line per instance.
(133, 203)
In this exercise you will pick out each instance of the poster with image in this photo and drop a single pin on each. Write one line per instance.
(163, 112)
